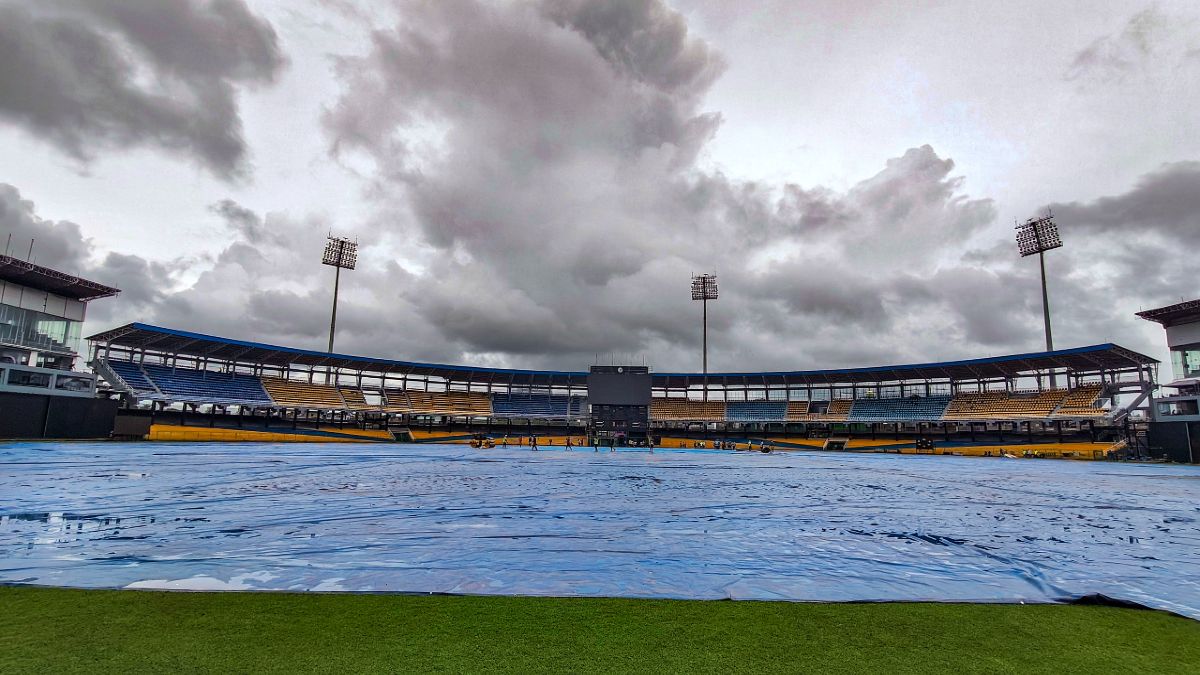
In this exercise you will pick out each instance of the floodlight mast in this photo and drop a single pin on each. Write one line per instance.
(704, 288)
(340, 254)
(1038, 235)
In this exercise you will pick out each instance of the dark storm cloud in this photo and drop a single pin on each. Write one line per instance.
(644, 39)
(55, 244)
(1165, 202)
(91, 75)
(533, 167)
(547, 153)
(1139, 244)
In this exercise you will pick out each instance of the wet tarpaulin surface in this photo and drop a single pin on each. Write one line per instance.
(679, 524)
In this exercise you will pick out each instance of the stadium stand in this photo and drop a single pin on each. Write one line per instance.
(1004, 405)
(132, 375)
(396, 401)
(205, 386)
(578, 406)
(911, 409)
(686, 409)
(832, 411)
(530, 405)
(296, 394)
(796, 410)
(1081, 402)
(756, 411)
(355, 400)
(441, 402)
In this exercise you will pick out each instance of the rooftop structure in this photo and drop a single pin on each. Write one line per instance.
(42, 312)
(151, 362)
(27, 274)
(1182, 324)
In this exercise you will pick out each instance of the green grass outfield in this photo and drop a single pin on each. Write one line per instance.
(62, 630)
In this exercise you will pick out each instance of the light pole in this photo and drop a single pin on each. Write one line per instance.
(1038, 235)
(340, 253)
(704, 288)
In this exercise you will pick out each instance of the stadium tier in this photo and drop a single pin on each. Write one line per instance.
(205, 386)
(992, 404)
(827, 411)
(164, 367)
(796, 410)
(297, 394)
(131, 375)
(444, 402)
(913, 409)
(685, 409)
(173, 383)
(755, 411)
(531, 405)
(1081, 402)
(355, 400)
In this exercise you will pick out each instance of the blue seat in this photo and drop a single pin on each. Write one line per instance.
(131, 374)
(207, 386)
(911, 409)
(756, 411)
(531, 405)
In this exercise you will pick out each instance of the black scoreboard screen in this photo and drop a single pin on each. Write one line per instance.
(619, 385)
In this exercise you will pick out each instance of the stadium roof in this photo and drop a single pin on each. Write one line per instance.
(1173, 314)
(41, 278)
(1096, 358)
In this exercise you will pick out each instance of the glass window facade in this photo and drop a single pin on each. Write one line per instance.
(1185, 363)
(38, 331)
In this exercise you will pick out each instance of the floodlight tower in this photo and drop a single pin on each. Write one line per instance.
(704, 288)
(1038, 235)
(340, 254)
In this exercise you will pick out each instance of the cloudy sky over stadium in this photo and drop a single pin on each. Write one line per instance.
(533, 183)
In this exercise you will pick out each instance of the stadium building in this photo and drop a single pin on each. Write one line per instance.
(41, 394)
(1175, 431)
(180, 385)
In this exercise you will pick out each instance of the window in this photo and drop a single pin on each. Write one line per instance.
(1185, 363)
(73, 383)
(25, 378)
(28, 328)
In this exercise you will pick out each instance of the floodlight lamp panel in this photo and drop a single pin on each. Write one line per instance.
(704, 287)
(340, 252)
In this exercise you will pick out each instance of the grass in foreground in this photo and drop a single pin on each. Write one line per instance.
(63, 630)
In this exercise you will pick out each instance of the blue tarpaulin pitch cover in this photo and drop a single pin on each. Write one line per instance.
(671, 524)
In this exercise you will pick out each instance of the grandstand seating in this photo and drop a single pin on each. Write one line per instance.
(355, 400)
(1081, 402)
(836, 410)
(686, 409)
(440, 402)
(159, 381)
(205, 386)
(296, 394)
(396, 401)
(578, 406)
(797, 410)
(1004, 405)
(530, 405)
(911, 409)
(132, 374)
(756, 411)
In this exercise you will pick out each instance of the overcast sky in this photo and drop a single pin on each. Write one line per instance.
(532, 183)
